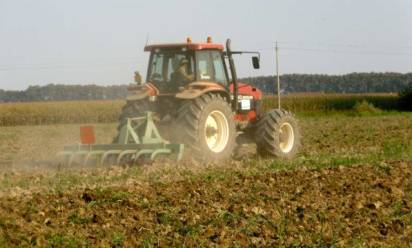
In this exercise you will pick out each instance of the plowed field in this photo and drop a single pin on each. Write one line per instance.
(350, 186)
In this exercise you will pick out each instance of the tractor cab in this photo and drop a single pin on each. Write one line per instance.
(172, 66)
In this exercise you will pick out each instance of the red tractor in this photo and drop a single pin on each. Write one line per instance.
(196, 100)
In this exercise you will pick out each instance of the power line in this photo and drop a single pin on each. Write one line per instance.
(297, 47)
(346, 51)
(348, 45)
(58, 66)
(338, 51)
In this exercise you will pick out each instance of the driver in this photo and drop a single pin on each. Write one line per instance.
(181, 74)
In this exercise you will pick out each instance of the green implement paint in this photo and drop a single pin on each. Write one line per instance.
(130, 147)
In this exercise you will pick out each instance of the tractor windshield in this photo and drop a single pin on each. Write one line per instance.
(171, 68)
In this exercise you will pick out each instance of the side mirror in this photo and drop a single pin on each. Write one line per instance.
(137, 77)
(255, 62)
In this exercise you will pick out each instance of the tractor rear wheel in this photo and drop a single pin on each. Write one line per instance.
(277, 134)
(206, 126)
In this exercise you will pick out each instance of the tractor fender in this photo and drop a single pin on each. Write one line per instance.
(196, 89)
(141, 92)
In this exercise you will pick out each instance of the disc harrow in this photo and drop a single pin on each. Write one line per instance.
(139, 140)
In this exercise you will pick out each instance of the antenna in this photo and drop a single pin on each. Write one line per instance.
(147, 39)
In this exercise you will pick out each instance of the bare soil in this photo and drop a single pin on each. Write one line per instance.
(350, 186)
(361, 205)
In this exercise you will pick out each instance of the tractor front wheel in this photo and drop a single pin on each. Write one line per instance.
(277, 134)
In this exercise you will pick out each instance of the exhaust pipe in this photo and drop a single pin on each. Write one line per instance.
(233, 73)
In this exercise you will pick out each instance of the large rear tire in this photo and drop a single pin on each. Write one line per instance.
(277, 135)
(206, 126)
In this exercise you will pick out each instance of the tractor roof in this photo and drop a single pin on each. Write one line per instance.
(189, 46)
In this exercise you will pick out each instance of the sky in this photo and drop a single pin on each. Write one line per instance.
(101, 41)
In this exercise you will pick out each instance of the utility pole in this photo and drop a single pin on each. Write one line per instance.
(277, 72)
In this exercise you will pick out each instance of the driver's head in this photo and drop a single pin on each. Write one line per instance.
(183, 62)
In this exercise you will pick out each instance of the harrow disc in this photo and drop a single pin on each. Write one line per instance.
(117, 154)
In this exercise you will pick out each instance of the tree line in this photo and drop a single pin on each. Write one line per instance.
(348, 83)
(62, 92)
(290, 83)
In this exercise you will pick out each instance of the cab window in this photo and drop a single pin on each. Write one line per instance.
(166, 62)
(210, 67)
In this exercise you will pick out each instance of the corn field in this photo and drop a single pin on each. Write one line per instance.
(43, 113)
